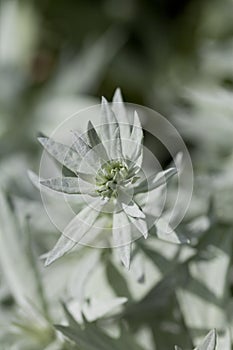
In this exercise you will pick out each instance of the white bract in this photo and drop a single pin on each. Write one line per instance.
(106, 166)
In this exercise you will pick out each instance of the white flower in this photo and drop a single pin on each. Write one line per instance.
(107, 168)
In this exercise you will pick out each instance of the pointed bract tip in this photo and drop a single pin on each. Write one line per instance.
(118, 91)
(209, 341)
(212, 333)
(42, 140)
(117, 97)
(48, 261)
(126, 263)
(90, 125)
(137, 121)
(136, 116)
(104, 100)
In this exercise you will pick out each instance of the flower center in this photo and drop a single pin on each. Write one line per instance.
(110, 176)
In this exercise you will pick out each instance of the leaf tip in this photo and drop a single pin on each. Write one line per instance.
(104, 101)
(42, 139)
(117, 97)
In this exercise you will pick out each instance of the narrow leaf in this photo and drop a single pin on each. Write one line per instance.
(80, 144)
(140, 224)
(110, 131)
(166, 233)
(209, 342)
(129, 206)
(74, 231)
(62, 246)
(133, 210)
(120, 111)
(64, 154)
(17, 261)
(135, 151)
(83, 221)
(122, 237)
(155, 181)
(90, 158)
(69, 185)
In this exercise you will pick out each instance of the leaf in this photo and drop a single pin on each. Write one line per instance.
(95, 309)
(138, 266)
(90, 178)
(17, 261)
(92, 134)
(122, 237)
(109, 121)
(135, 150)
(95, 141)
(62, 153)
(117, 281)
(85, 187)
(155, 181)
(34, 178)
(140, 224)
(83, 221)
(86, 340)
(74, 231)
(91, 337)
(120, 112)
(209, 342)
(165, 232)
(202, 292)
(129, 206)
(132, 209)
(91, 160)
(62, 246)
(80, 144)
(158, 298)
(115, 143)
(69, 185)
(110, 131)
(69, 316)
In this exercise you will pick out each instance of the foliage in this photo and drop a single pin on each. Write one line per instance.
(176, 58)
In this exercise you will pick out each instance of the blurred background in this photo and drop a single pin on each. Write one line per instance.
(174, 56)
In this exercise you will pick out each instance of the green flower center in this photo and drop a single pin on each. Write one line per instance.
(111, 175)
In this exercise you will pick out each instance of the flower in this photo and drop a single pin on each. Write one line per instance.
(106, 164)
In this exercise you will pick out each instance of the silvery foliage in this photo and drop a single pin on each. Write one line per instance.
(100, 340)
(209, 343)
(107, 168)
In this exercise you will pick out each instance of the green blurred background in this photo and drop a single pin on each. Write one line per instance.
(73, 52)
